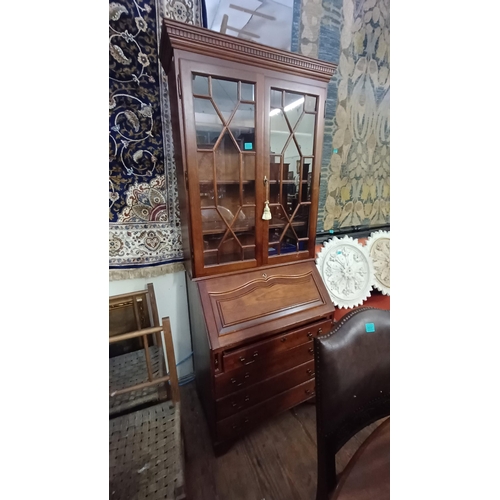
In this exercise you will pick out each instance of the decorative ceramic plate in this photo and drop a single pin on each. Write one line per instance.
(347, 271)
(378, 246)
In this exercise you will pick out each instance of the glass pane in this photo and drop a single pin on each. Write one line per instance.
(306, 179)
(249, 168)
(290, 197)
(246, 238)
(230, 250)
(300, 222)
(277, 223)
(246, 220)
(294, 105)
(242, 127)
(249, 253)
(304, 133)
(292, 155)
(247, 91)
(274, 168)
(279, 133)
(210, 258)
(290, 242)
(207, 122)
(227, 159)
(205, 168)
(249, 193)
(310, 105)
(274, 192)
(212, 224)
(276, 97)
(200, 85)
(225, 96)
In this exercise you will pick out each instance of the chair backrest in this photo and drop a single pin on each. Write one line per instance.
(129, 312)
(138, 373)
(352, 375)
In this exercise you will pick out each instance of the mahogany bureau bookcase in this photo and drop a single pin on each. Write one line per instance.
(247, 124)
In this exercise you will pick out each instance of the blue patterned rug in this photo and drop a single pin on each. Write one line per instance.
(144, 228)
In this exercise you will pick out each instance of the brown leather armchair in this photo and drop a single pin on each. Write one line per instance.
(352, 385)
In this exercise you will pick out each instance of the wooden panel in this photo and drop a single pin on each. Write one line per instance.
(260, 351)
(243, 421)
(240, 378)
(264, 296)
(257, 393)
(252, 305)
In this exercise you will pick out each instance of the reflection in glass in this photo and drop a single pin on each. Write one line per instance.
(279, 132)
(291, 153)
(205, 169)
(247, 91)
(276, 98)
(200, 85)
(294, 105)
(207, 122)
(290, 168)
(225, 96)
(305, 134)
(227, 159)
(310, 105)
(249, 169)
(242, 126)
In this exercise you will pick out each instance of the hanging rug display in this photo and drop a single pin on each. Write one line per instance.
(347, 271)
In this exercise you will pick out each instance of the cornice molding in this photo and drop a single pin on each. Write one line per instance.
(176, 35)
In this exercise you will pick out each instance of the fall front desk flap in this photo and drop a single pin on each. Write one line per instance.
(256, 304)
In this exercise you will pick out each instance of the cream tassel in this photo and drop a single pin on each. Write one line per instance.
(267, 213)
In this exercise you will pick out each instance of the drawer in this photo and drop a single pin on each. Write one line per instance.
(266, 389)
(242, 421)
(254, 353)
(245, 376)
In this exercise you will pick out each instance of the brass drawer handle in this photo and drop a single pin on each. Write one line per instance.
(309, 335)
(233, 381)
(249, 362)
(283, 339)
(320, 330)
(308, 391)
(247, 375)
(311, 350)
(235, 404)
(310, 372)
(243, 423)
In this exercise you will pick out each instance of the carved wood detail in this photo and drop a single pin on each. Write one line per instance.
(202, 41)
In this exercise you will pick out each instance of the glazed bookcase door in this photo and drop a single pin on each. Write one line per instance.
(221, 107)
(293, 114)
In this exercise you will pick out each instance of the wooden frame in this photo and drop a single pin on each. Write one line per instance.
(168, 348)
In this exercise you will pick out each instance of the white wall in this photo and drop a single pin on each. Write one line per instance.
(171, 299)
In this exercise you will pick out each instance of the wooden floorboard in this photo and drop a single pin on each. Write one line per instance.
(276, 461)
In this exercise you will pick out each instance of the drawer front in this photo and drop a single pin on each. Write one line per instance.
(243, 421)
(245, 376)
(266, 389)
(255, 353)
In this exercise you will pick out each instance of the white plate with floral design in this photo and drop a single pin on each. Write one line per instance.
(347, 271)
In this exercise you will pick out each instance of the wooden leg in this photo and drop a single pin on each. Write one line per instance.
(327, 473)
